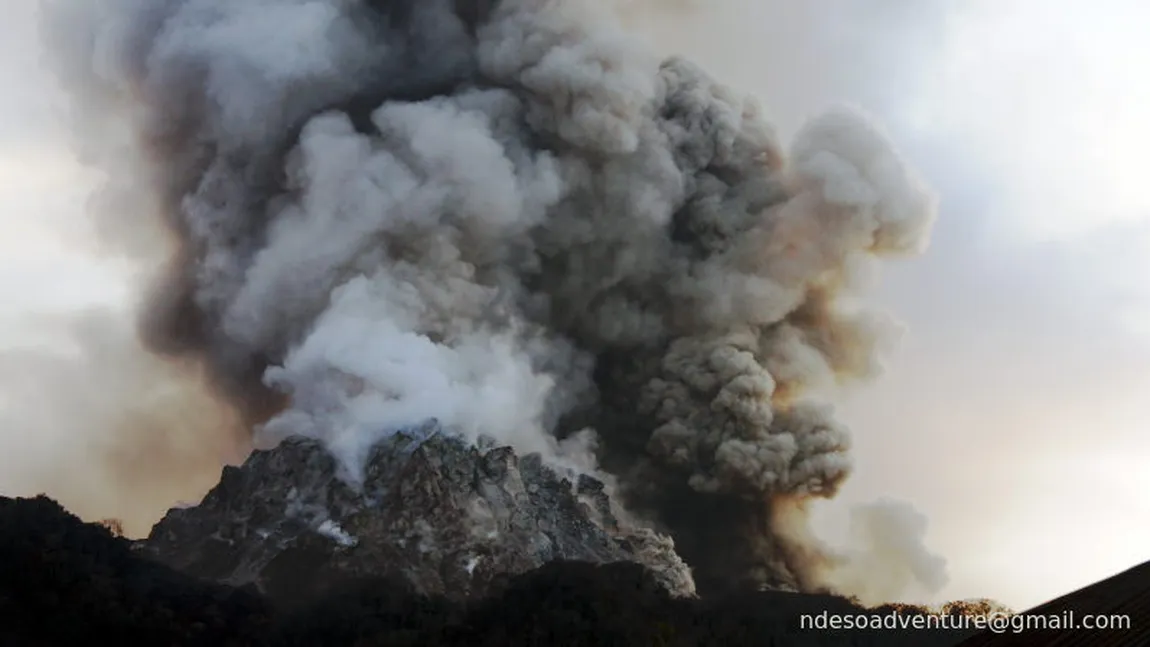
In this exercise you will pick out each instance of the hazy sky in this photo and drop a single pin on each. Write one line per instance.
(1014, 414)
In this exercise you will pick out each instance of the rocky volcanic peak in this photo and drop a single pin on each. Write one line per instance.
(449, 517)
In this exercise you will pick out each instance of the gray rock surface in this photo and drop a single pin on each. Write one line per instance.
(448, 517)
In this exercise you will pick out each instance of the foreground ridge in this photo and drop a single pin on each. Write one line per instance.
(65, 583)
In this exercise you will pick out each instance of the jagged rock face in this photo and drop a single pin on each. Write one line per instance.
(449, 518)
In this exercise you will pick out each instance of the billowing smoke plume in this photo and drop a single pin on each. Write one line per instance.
(510, 217)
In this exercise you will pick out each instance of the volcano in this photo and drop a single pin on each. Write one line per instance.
(448, 517)
(598, 268)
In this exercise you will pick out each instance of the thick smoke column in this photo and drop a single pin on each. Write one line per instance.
(507, 216)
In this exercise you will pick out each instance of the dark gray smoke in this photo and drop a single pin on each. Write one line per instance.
(510, 217)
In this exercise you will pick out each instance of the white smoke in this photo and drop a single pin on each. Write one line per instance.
(886, 558)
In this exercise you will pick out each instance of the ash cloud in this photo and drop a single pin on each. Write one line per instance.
(513, 218)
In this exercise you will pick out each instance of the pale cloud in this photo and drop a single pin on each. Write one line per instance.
(1052, 95)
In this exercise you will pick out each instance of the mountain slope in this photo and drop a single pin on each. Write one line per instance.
(1126, 595)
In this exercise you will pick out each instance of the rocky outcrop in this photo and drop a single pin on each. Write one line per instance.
(448, 517)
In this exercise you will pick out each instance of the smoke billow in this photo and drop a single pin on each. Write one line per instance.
(513, 218)
(889, 558)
